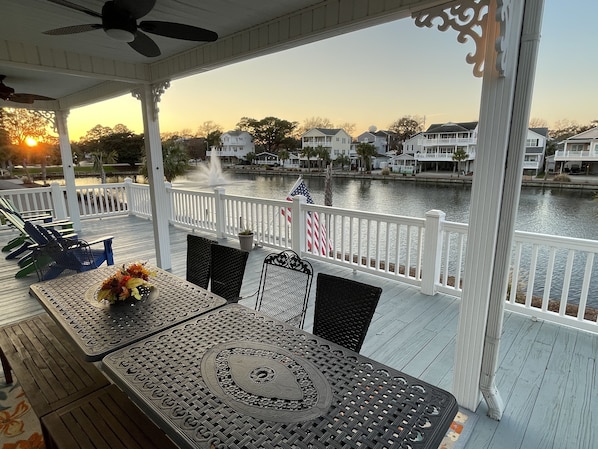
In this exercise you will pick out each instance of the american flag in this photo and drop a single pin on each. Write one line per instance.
(316, 231)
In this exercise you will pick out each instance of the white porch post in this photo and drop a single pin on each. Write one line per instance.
(219, 211)
(432, 251)
(67, 168)
(504, 114)
(298, 226)
(150, 96)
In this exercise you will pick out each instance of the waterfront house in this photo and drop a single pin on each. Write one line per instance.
(535, 151)
(234, 146)
(267, 158)
(433, 149)
(90, 67)
(579, 153)
(383, 141)
(336, 141)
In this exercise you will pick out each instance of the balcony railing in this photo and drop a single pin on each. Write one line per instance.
(439, 156)
(448, 141)
(564, 156)
(552, 278)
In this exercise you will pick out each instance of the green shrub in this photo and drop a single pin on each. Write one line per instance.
(385, 171)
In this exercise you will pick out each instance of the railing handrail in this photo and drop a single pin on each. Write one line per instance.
(428, 252)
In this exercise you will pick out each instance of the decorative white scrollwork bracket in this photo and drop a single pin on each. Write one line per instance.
(157, 90)
(468, 18)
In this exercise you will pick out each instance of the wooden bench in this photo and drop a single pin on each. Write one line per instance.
(106, 419)
(49, 367)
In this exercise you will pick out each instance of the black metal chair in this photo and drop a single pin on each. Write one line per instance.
(284, 288)
(199, 255)
(227, 270)
(344, 309)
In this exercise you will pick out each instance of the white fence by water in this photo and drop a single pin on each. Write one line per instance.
(551, 278)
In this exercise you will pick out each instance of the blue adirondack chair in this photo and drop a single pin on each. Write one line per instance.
(66, 253)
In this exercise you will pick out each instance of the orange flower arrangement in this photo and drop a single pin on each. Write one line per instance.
(127, 283)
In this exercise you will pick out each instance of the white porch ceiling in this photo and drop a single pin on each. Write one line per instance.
(88, 67)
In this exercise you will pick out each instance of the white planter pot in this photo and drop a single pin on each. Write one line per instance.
(246, 242)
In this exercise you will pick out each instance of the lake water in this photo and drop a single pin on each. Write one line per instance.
(569, 213)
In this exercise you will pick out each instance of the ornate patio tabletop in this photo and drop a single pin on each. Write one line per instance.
(99, 328)
(235, 378)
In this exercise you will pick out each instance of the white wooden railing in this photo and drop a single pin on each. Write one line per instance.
(552, 278)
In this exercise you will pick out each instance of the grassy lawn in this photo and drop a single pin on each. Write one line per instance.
(85, 170)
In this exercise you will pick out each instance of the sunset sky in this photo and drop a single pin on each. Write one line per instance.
(387, 72)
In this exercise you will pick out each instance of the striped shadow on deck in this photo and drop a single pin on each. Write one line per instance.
(547, 375)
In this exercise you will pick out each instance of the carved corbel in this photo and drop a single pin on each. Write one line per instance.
(468, 18)
(156, 92)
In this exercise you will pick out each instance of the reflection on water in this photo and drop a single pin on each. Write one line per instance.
(570, 213)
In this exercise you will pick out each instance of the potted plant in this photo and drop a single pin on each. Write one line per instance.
(245, 237)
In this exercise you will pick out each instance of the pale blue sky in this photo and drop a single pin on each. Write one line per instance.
(378, 75)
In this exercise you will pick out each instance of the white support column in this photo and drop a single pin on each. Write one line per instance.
(496, 115)
(432, 251)
(68, 168)
(526, 65)
(150, 96)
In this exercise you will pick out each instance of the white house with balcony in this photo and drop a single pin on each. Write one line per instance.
(382, 140)
(433, 149)
(436, 146)
(336, 141)
(535, 151)
(579, 153)
(234, 146)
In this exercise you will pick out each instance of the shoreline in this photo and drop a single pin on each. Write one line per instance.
(589, 182)
(579, 182)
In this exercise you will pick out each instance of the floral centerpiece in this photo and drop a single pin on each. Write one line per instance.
(129, 282)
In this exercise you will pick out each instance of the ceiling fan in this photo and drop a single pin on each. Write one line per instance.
(8, 93)
(119, 21)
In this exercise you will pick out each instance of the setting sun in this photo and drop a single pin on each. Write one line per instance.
(30, 141)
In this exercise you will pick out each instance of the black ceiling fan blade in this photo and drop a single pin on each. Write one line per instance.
(145, 45)
(28, 98)
(76, 7)
(74, 29)
(137, 8)
(178, 31)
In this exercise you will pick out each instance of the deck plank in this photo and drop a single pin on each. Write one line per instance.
(547, 373)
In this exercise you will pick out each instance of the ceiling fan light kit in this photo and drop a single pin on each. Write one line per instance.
(7, 93)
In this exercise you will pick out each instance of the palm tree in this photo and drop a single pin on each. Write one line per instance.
(323, 155)
(100, 158)
(308, 152)
(342, 160)
(459, 155)
(366, 151)
(175, 159)
(283, 155)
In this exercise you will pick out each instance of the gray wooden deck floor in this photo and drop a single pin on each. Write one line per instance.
(547, 377)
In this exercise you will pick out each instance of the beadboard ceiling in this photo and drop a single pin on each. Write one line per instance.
(87, 67)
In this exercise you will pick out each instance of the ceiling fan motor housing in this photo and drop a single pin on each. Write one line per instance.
(118, 23)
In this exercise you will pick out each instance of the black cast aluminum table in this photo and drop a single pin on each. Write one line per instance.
(234, 378)
(98, 328)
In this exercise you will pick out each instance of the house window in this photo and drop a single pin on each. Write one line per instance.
(532, 143)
